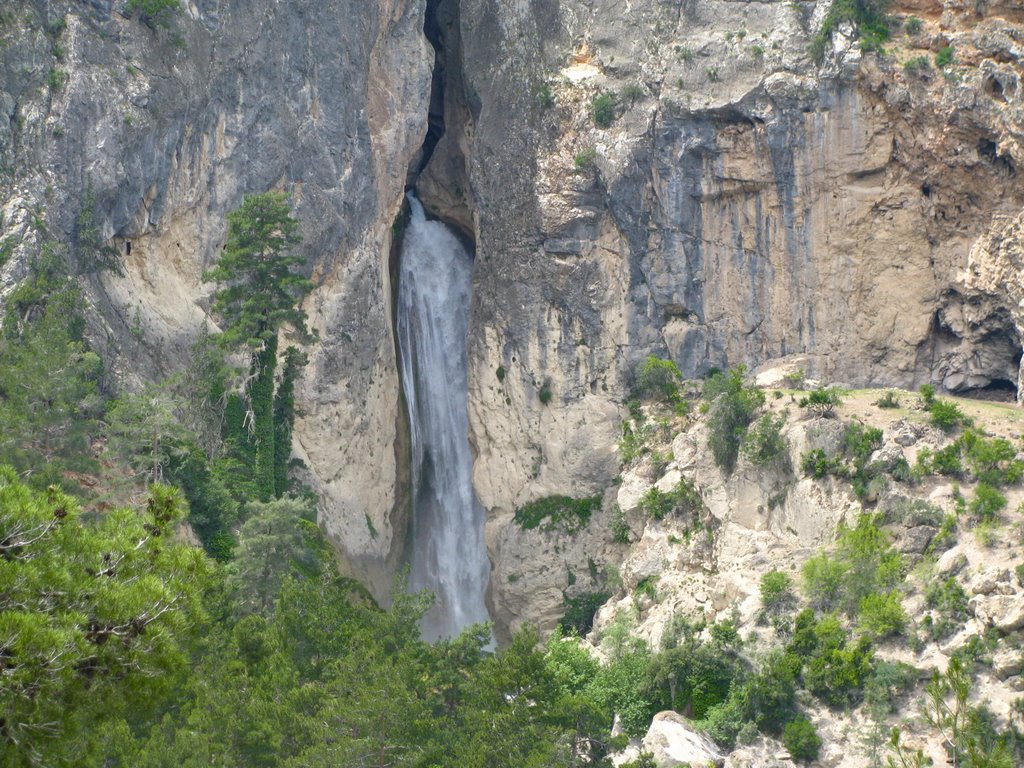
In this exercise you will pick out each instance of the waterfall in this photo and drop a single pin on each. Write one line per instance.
(449, 557)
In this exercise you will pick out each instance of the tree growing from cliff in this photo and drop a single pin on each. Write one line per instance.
(260, 294)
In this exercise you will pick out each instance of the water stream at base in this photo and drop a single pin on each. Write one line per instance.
(449, 557)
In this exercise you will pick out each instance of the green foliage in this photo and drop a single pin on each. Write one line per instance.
(579, 611)
(657, 379)
(991, 460)
(50, 401)
(683, 499)
(927, 393)
(585, 159)
(947, 461)
(544, 394)
(763, 443)
(950, 601)
(944, 57)
(917, 64)
(777, 591)
(632, 93)
(864, 563)
(278, 540)
(557, 513)
(801, 740)
(882, 615)
(732, 408)
(833, 669)
(603, 108)
(987, 503)
(824, 581)
(818, 465)
(823, 401)
(889, 400)
(913, 26)
(56, 79)
(153, 13)
(284, 417)
(619, 526)
(91, 253)
(91, 613)
(260, 294)
(868, 16)
(945, 414)
(544, 95)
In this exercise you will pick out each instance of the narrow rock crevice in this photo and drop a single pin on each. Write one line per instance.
(439, 174)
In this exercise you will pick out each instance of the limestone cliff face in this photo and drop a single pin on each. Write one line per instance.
(747, 203)
(167, 130)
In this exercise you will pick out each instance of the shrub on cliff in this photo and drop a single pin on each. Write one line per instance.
(732, 407)
(657, 379)
(153, 13)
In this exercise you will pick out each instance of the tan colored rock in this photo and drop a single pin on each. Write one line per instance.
(674, 742)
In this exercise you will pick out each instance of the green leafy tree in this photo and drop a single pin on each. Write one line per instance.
(260, 294)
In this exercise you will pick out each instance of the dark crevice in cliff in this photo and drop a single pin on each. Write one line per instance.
(438, 175)
(439, 172)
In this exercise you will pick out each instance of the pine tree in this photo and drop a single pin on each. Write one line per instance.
(260, 294)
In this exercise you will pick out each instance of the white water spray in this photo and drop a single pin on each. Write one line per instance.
(448, 553)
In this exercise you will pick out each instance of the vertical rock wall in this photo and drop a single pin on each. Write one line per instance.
(168, 129)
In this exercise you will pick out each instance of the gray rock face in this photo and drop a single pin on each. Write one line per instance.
(743, 204)
(168, 129)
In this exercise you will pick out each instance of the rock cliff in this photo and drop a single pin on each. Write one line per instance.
(740, 201)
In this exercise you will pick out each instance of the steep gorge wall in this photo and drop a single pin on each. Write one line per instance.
(168, 129)
(746, 204)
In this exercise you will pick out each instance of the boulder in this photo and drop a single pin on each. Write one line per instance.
(673, 741)
(951, 563)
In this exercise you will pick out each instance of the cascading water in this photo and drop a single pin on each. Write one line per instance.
(448, 553)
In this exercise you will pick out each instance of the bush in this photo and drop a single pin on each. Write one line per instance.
(950, 601)
(888, 400)
(987, 503)
(927, 392)
(944, 57)
(153, 13)
(683, 499)
(657, 379)
(817, 465)
(947, 461)
(562, 513)
(585, 159)
(579, 611)
(913, 25)
(801, 740)
(992, 461)
(823, 401)
(732, 408)
(619, 526)
(544, 393)
(603, 110)
(824, 580)
(764, 443)
(945, 414)
(544, 95)
(917, 64)
(776, 591)
(868, 16)
(882, 615)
